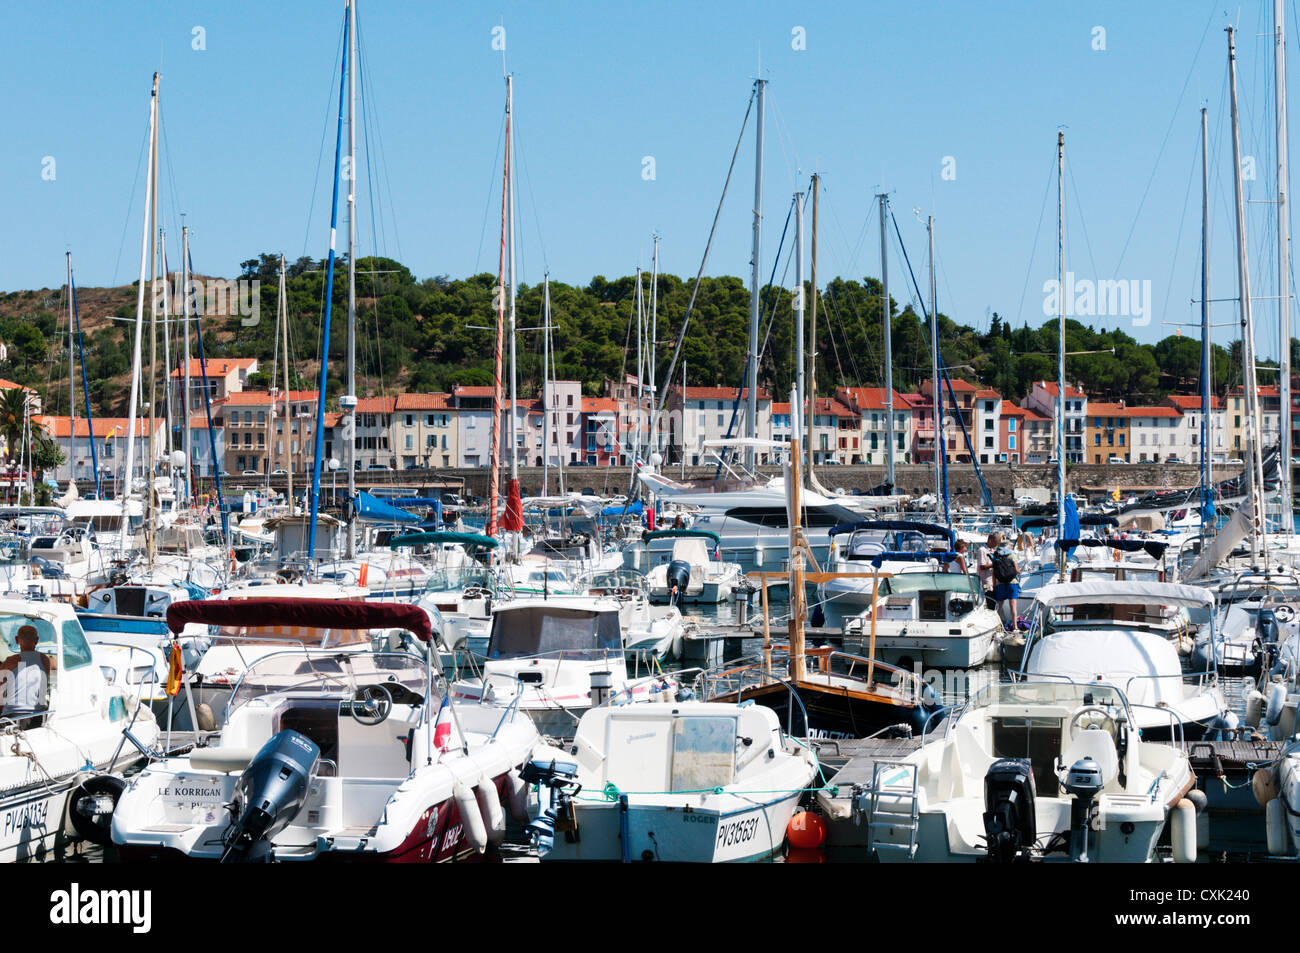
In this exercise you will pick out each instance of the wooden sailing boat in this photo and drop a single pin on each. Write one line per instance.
(841, 694)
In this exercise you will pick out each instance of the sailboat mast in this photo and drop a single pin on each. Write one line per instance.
(510, 242)
(1207, 487)
(185, 322)
(149, 514)
(167, 346)
(547, 395)
(1060, 353)
(886, 320)
(640, 374)
(288, 418)
(810, 412)
(654, 331)
(72, 384)
(800, 383)
(494, 452)
(1254, 467)
(351, 428)
(940, 441)
(751, 413)
(1283, 265)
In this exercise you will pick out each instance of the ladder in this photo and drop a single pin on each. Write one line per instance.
(903, 813)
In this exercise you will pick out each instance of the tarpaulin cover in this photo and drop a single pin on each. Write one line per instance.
(513, 522)
(925, 529)
(435, 538)
(371, 509)
(311, 613)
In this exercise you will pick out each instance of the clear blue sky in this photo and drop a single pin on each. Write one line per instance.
(882, 93)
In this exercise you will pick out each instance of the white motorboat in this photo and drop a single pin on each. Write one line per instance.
(1118, 633)
(694, 782)
(1033, 770)
(890, 546)
(555, 658)
(695, 577)
(929, 620)
(68, 746)
(328, 753)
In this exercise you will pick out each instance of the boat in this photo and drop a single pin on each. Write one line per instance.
(901, 545)
(555, 658)
(930, 620)
(331, 755)
(1041, 771)
(691, 782)
(61, 763)
(1118, 633)
(695, 578)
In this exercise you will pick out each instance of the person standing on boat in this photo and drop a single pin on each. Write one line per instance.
(984, 564)
(1006, 590)
(27, 676)
(959, 563)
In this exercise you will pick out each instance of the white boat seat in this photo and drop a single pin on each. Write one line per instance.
(1097, 744)
(224, 759)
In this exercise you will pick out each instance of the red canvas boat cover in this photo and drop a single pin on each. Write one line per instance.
(312, 613)
(514, 519)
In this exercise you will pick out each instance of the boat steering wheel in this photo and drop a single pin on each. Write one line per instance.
(372, 705)
(1091, 718)
(1284, 613)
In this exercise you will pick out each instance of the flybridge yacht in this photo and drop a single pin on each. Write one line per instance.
(747, 512)
(1117, 632)
(891, 546)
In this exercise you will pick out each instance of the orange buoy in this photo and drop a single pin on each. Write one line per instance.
(806, 830)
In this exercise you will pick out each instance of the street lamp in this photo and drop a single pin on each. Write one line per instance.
(333, 464)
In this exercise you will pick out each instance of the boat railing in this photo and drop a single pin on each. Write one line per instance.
(735, 680)
(511, 708)
(1177, 732)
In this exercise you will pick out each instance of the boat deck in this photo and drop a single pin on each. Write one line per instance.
(1218, 758)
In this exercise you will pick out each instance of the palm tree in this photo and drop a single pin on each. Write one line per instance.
(13, 410)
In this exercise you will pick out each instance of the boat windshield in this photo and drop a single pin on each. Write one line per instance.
(543, 630)
(457, 578)
(609, 583)
(910, 583)
(1057, 693)
(331, 675)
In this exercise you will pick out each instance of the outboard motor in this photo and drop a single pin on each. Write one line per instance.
(558, 779)
(679, 576)
(1009, 825)
(1084, 781)
(1266, 634)
(270, 792)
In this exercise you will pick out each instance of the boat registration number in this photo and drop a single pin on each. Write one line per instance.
(201, 800)
(737, 832)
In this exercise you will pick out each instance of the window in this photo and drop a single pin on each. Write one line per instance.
(1011, 425)
(1011, 442)
(988, 442)
(261, 418)
(248, 418)
(410, 441)
(428, 420)
(1096, 440)
(1121, 438)
(410, 420)
(76, 652)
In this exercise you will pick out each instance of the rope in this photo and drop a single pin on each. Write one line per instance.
(611, 792)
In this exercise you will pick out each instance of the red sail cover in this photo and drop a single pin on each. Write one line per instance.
(312, 613)
(514, 518)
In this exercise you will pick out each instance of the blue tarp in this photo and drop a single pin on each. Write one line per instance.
(628, 509)
(1070, 526)
(371, 509)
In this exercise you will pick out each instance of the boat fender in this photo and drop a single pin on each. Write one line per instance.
(1263, 784)
(1182, 832)
(1255, 708)
(470, 816)
(1199, 799)
(91, 806)
(489, 803)
(207, 721)
(1286, 723)
(517, 789)
(1275, 825)
(1276, 700)
(806, 830)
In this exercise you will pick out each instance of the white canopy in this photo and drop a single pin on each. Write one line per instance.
(1124, 593)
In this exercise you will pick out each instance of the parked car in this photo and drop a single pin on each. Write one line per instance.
(1234, 462)
(250, 473)
(1174, 459)
(453, 499)
(279, 471)
(1115, 459)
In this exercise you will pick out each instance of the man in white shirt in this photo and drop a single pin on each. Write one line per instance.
(26, 677)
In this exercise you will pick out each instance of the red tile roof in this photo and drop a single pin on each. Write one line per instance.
(1050, 387)
(829, 405)
(722, 393)
(376, 405)
(62, 426)
(591, 405)
(1097, 409)
(423, 401)
(217, 366)
(781, 409)
(471, 390)
(873, 398)
(1154, 412)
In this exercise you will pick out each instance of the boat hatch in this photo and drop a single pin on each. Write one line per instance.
(544, 630)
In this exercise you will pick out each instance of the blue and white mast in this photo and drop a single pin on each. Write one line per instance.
(319, 443)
